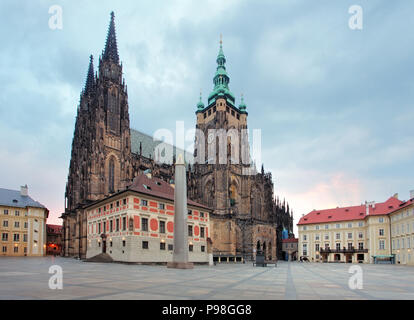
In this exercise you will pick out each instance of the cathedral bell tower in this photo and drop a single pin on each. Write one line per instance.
(101, 148)
(218, 152)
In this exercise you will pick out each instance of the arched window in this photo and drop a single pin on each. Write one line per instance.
(111, 176)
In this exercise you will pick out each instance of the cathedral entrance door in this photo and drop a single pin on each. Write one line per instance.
(104, 246)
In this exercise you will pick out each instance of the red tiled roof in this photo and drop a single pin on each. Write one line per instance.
(350, 213)
(404, 204)
(157, 188)
(290, 240)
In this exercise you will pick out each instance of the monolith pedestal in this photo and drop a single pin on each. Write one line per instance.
(180, 253)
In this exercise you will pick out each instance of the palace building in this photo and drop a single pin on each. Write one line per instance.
(22, 224)
(137, 224)
(368, 233)
(402, 232)
(107, 155)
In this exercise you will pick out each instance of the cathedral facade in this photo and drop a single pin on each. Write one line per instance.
(107, 154)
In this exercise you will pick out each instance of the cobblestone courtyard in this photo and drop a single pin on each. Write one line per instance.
(28, 278)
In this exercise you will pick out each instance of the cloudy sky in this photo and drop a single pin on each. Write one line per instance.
(335, 105)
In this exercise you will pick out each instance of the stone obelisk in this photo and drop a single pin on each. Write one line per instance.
(180, 253)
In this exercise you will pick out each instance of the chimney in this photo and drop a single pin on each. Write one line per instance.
(368, 205)
(395, 196)
(412, 194)
(24, 191)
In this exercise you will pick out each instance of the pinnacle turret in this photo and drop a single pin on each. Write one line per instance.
(90, 78)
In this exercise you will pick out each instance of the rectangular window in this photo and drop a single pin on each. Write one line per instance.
(338, 226)
(16, 237)
(117, 203)
(162, 245)
(349, 235)
(104, 226)
(326, 236)
(4, 237)
(162, 226)
(381, 232)
(4, 249)
(190, 212)
(25, 237)
(190, 248)
(99, 227)
(17, 213)
(144, 244)
(349, 225)
(117, 224)
(6, 212)
(144, 203)
(360, 224)
(17, 224)
(350, 246)
(203, 249)
(305, 249)
(381, 220)
(144, 224)
(360, 235)
(360, 245)
(111, 225)
(317, 247)
(170, 247)
(161, 206)
(124, 202)
(5, 223)
(338, 246)
(317, 227)
(326, 226)
(381, 244)
(202, 232)
(124, 227)
(338, 236)
(202, 214)
(190, 231)
(16, 249)
(304, 237)
(25, 225)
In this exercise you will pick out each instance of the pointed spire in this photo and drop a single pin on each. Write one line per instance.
(90, 78)
(242, 105)
(200, 104)
(111, 47)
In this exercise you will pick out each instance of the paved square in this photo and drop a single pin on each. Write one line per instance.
(28, 278)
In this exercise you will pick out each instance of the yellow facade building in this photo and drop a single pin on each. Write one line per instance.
(22, 224)
(356, 234)
(402, 232)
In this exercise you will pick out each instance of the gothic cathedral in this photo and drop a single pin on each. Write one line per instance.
(107, 155)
